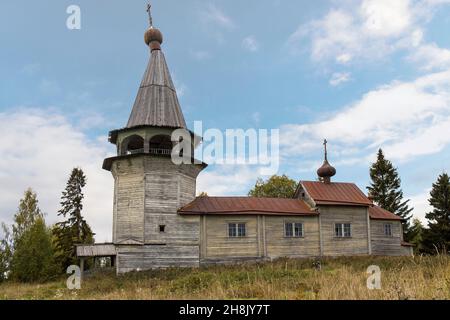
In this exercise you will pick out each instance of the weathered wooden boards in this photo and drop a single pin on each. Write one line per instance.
(148, 232)
(266, 238)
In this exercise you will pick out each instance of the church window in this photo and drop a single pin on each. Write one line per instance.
(293, 230)
(162, 228)
(343, 230)
(237, 230)
(388, 229)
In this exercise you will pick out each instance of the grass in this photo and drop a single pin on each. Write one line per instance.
(340, 278)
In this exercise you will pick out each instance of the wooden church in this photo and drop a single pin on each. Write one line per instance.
(158, 222)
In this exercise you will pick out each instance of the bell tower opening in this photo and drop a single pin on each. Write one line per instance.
(161, 144)
(132, 145)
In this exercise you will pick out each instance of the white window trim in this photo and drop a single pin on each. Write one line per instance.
(293, 229)
(342, 224)
(236, 229)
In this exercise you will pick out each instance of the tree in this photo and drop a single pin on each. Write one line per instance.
(416, 235)
(437, 236)
(74, 230)
(385, 189)
(24, 219)
(274, 187)
(33, 258)
(27, 214)
(6, 244)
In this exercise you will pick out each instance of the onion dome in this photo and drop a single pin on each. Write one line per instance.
(326, 171)
(153, 38)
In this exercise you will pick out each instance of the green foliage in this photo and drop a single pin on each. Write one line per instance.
(74, 230)
(416, 235)
(386, 191)
(25, 219)
(33, 258)
(6, 244)
(274, 187)
(437, 236)
(26, 215)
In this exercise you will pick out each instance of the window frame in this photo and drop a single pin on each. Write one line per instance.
(238, 231)
(293, 228)
(343, 230)
(391, 233)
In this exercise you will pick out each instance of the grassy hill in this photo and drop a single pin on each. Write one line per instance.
(341, 278)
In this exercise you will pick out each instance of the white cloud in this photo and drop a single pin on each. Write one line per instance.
(431, 57)
(227, 180)
(344, 58)
(421, 206)
(339, 78)
(250, 44)
(386, 18)
(39, 149)
(214, 15)
(366, 30)
(407, 119)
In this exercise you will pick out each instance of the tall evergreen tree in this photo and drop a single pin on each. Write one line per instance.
(74, 230)
(386, 191)
(437, 236)
(274, 187)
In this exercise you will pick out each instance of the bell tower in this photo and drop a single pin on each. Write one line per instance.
(149, 187)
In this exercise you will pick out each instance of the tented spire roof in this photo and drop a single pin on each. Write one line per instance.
(157, 102)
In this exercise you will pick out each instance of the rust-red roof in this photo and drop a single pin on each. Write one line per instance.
(247, 205)
(378, 213)
(335, 193)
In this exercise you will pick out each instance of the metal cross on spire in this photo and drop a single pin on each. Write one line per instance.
(149, 10)
(325, 142)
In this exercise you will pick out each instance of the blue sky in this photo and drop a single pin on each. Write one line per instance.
(364, 74)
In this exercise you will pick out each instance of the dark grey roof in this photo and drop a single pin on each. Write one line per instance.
(157, 102)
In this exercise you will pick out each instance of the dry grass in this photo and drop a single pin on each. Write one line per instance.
(341, 278)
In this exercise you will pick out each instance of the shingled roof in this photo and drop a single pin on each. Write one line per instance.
(247, 205)
(157, 102)
(335, 193)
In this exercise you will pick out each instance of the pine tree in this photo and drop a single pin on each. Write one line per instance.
(416, 235)
(385, 189)
(437, 236)
(74, 230)
(274, 187)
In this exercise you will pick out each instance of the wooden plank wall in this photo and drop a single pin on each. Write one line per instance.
(219, 245)
(132, 258)
(265, 238)
(280, 246)
(385, 245)
(148, 193)
(358, 244)
(129, 202)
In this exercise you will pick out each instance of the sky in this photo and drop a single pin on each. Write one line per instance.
(364, 74)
